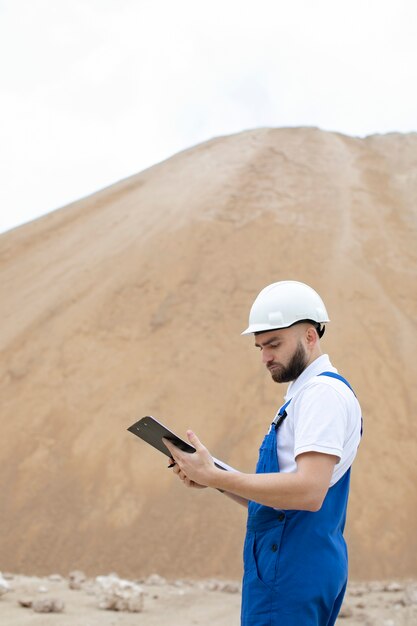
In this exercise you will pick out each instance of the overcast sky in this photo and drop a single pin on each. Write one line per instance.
(92, 91)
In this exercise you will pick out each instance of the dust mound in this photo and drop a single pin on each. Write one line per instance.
(131, 302)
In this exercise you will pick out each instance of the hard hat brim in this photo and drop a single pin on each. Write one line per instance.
(264, 328)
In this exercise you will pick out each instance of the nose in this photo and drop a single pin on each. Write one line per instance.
(267, 356)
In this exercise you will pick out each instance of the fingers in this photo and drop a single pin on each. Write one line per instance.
(178, 471)
(185, 465)
(170, 447)
(194, 440)
(186, 481)
(193, 484)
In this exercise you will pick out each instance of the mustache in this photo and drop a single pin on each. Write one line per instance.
(274, 365)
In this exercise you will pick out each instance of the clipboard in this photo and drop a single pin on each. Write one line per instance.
(151, 430)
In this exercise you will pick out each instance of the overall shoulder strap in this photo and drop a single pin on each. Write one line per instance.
(338, 377)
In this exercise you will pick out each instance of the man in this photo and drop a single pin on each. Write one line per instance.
(295, 558)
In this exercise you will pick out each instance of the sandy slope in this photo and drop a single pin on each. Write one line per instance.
(131, 301)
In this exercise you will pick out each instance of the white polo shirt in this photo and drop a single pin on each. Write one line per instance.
(323, 416)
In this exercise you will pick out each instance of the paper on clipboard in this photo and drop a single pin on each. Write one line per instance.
(223, 465)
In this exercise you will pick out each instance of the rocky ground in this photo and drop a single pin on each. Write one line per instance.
(108, 600)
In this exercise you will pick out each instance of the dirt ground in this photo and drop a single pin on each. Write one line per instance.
(183, 603)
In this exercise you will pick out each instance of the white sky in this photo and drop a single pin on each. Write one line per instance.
(92, 91)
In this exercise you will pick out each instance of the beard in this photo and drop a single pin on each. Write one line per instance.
(297, 364)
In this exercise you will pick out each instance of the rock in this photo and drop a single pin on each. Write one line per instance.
(180, 583)
(135, 604)
(121, 601)
(209, 585)
(7, 576)
(220, 585)
(231, 587)
(76, 579)
(42, 589)
(4, 585)
(393, 587)
(410, 595)
(116, 594)
(112, 581)
(55, 578)
(77, 575)
(113, 602)
(75, 585)
(48, 605)
(155, 579)
(26, 602)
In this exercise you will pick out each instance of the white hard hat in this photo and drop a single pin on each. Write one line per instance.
(282, 304)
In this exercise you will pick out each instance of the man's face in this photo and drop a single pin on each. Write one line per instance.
(283, 353)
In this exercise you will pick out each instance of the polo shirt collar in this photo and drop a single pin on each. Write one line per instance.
(319, 365)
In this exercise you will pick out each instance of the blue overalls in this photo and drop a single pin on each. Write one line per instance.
(295, 562)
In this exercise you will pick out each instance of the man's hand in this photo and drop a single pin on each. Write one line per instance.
(194, 469)
(187, 482)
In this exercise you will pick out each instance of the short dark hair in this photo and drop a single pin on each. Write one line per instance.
(320, 328)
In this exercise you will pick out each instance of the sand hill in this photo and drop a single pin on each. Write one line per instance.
(132, 301)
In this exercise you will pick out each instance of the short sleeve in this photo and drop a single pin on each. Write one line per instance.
(320, 420)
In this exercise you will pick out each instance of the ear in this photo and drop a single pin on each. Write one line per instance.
(311, 336)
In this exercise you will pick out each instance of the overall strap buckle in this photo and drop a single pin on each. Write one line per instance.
(280, 416)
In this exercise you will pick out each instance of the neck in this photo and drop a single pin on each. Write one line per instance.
(315, 354)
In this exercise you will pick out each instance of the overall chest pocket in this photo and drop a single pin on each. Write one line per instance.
(267, 452)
